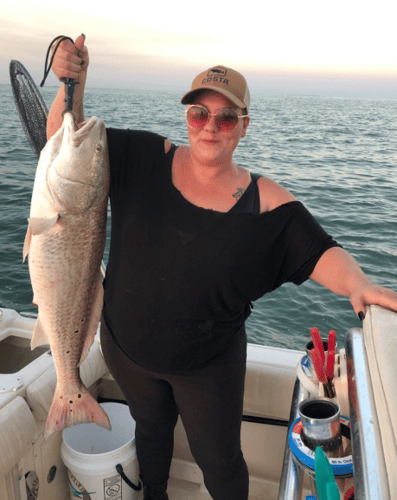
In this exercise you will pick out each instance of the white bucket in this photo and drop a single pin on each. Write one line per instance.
(92, 453)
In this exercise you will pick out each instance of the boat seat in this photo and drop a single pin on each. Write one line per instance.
(380, 335)
(17, 433)
(269, 381)
(40, 393)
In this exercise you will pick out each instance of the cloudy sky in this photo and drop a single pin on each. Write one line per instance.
(344, 48)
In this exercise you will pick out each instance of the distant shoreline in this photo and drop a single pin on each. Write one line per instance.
(54, 88)
(302, 95)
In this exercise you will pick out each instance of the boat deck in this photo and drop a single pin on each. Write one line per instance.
(186, 483)
(181, 490)
(26, 395)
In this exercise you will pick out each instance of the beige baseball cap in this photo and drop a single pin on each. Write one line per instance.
(226, 81)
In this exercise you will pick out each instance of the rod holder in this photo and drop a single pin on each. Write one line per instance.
(321, 425)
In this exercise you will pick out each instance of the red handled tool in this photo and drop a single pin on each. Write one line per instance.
(321, 374)
(331, 354)
(318, 343)
(331, 340)
(331, 359)
(330, 365)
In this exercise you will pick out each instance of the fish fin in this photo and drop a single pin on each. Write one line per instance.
(94, 321)
(41, 225)
(39, 336)
(79, 408)
(26, 245)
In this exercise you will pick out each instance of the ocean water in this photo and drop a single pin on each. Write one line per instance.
(337, 156)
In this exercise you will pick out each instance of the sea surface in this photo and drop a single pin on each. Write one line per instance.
(337, 156)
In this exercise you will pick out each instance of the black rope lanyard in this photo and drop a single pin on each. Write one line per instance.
(70, 83)
(61, 38)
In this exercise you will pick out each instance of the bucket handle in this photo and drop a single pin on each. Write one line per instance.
(120, 470)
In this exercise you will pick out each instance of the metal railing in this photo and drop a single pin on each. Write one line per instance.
(291, 483)
(370, 473)
(370, 477)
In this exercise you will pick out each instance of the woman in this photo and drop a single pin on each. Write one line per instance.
(196, 238)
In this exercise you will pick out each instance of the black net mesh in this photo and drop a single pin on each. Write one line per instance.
(31, 108)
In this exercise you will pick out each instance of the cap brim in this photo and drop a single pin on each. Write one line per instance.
(189, 97)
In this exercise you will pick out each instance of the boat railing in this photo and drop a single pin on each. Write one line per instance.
(291, 483)
(370, 472)
(370, 476)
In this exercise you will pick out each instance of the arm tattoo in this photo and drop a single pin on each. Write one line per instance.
(239, 194)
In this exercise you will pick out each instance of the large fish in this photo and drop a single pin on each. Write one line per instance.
(65, 242)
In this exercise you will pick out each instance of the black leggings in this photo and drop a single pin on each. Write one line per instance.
(210, 403)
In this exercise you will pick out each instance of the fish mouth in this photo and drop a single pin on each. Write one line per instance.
(78, 132)
(84, 130)
(88, 125)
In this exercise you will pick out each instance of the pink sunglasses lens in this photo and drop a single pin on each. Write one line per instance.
(226, 119)
(197, 117)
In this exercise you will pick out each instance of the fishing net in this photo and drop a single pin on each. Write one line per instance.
(31, 108)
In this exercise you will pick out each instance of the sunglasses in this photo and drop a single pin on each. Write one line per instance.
(225, 119)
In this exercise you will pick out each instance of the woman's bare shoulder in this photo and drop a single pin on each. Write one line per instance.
(167, 145)
(272, 195)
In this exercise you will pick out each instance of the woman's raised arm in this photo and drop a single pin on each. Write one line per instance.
(70, 61)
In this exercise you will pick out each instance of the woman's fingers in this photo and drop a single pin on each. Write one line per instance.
(374, 295)
(69, 61)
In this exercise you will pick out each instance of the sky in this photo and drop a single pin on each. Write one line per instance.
(344, 48)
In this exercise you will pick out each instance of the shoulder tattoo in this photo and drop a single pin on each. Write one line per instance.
(239, 193)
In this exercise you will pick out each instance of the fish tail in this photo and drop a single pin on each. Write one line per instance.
(67, 410)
